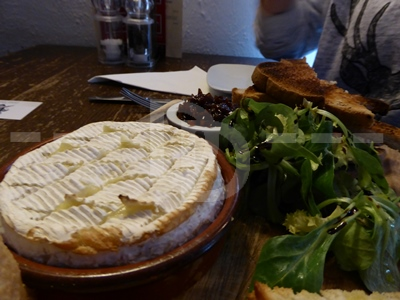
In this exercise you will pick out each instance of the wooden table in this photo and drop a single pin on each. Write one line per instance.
(57, 76)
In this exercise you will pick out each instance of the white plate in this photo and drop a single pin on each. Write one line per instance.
(222, 78)
(211, 134)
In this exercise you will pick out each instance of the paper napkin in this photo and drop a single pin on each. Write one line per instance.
(177, 82)
(15, 109)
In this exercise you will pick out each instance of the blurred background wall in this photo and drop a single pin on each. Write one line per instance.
(223, 27)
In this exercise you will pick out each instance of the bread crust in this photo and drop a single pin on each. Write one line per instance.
(347, 107)
(380, 132)
(289, 81)
(264, 292)
(253, 93)
(259, 76)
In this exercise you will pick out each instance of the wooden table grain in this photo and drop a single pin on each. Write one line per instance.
(58, 75)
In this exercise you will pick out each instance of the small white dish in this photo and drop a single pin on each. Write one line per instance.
(211, 134)
(222, 78)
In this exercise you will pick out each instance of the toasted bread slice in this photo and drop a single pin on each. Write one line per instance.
(237, 95)
(377, 106)
(260, 74)
(347, 108)
(289, 81)
(379, 133)
(251, 92)
(292, 81)
(264, 292)
(391, 134)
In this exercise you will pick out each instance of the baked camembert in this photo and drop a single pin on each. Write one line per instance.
(110, 193)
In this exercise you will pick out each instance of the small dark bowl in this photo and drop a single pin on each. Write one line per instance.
(163, 277)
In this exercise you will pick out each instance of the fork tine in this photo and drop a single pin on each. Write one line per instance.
(136, 101)
(130, 96)
(133, 95)
(127, 92)
(140, 100)
(154, 106)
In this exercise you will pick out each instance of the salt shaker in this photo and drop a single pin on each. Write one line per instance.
(140, 33)
(110, 31)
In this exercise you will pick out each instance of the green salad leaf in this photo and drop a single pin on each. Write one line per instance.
(308, 172)
(299, 263)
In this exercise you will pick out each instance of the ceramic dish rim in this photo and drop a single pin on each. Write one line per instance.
(90, 278)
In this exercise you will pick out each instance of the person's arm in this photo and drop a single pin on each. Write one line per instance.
(274, 7)
(289, 28)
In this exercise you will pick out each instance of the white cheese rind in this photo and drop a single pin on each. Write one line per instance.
(110, 193)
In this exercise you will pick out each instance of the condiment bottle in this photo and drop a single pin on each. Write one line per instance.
(140, 33)
(110, 31)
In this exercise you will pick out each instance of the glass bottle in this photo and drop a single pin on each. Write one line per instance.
(110, 31)
(140, 33)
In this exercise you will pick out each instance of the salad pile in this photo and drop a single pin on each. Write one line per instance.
(308, 172)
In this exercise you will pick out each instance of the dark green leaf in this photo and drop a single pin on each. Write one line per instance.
(383, 275)
(294, 261)
(323, 179)
(354, 248)
(306, 188)
(370, 168)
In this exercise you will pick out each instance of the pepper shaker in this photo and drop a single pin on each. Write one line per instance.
(140, 33)
(110, 31)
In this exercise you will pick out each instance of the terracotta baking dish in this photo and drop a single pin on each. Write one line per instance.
(161, 278)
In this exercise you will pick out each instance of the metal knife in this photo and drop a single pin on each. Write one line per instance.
(122, 100)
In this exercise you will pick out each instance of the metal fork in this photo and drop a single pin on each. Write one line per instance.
(144, 101)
